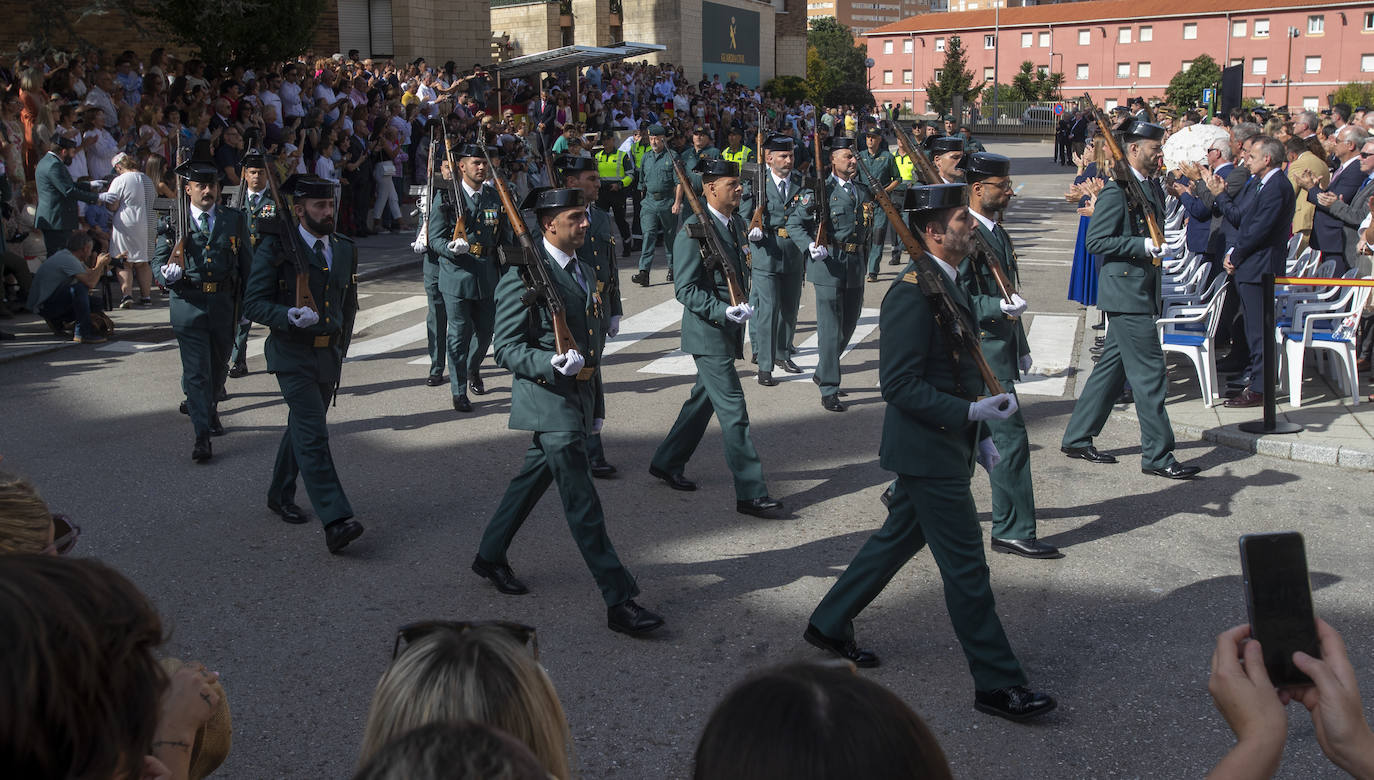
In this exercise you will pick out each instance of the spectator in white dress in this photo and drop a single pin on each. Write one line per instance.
(132, 229)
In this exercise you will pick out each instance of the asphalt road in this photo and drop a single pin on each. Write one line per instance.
(1120, 630)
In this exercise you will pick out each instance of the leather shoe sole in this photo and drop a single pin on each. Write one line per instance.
(602, 470)
(238, 371)
(1018, 705)
(845, 649)
(1173, 471)
(766, 379)
(1026, 548)
(758, 507)
(675, 481)
(477, 386)
(789, 366)
(1246, 399)
(338, 534)
(434, 381)
(1089, 454)
(288, 512)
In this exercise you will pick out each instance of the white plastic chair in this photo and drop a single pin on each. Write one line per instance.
(1174, 305)
(1191, 331)
(1328, 326)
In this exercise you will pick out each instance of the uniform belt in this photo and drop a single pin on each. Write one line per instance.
(851, 247)
(664, 196)
(308, 339)
(475, 250)
(205, 287)
(782, 232)
(586, 373)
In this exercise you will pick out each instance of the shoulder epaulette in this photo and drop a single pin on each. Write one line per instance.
(911, 277)
(342, 237)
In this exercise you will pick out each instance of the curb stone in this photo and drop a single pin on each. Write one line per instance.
(1303, 451)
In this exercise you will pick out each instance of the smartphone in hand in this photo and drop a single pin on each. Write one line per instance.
(1278, 597)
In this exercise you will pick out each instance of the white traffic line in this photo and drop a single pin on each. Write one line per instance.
(130, 347)
(361, 350)
(1052, 339)
(679, 363)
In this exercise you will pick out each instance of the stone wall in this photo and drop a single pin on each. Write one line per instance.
(533, 27)
(592, 22)
(442, 30)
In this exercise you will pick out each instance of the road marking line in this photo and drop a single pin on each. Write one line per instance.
(131, 347)
(371, 316)
(1052, 339)
(395, 340)
(679, 363)
(638, 327)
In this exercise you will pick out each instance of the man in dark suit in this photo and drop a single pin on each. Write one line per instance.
(546, 116)
(1355, 211)
(1078, 133)
(1263, 217)
(1232, 169)
(58, 195)
(1329, 233)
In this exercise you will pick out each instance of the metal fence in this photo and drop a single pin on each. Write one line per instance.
(1018, 117)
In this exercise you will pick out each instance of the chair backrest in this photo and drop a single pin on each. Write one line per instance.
(1217, 284)
(1215, 305)
(1298, 265)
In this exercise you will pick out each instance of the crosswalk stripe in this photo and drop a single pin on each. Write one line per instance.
(678, 363)
(131, 347)
(382, 344)
(371, 316)
(637, 327)
(1051, 340)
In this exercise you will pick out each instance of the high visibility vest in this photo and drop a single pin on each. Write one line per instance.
(740, 157)
(906, 167)
(638, 151)
(610, 166)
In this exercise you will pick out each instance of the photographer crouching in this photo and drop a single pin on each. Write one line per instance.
(61, 290)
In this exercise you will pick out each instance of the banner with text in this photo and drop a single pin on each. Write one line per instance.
(730, 43)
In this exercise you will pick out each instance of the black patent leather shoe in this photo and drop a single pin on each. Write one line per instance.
(500, 575)
(758, 507)
(1026, 548)
(239, 370)
(754, 358)
(461, 403)
(183, 408)
(675, 481)
(629, 618)
(670, 274)
(216, 427)
(434, 380)
(475, 384)
(288, 512)
(1174, 471)
(1088, 453)
(1016, 702)
(601, 469)
(339, 533)
(815, 380)
(844, 648)
(789, 366)
(201, 451)
(641, 278)
(886, 497)
(766, 379)
(832, 403)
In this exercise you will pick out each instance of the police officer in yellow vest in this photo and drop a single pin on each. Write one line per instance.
(617, 174)
(906, 169)
(736, 152)
(638, 149)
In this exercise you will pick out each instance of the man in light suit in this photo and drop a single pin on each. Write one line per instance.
(1329, 234)
(1262, 222)
(1301, 159)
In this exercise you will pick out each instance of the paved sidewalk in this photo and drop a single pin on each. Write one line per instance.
(1335, 432)
(378, 255)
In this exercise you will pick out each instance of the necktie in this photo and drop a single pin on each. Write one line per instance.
(577, 274)
(253, 202)
(205, 222)
(782, 189)
(319, 252)
(1158, 191)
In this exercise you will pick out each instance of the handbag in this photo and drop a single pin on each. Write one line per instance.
(387, 168)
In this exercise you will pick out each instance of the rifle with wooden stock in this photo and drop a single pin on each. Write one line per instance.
(760, 178)
(289, 232)
(932, 284)
(182, 226)
(822, 193)
(460, 212)
(1122, 175)
(539, 285)
(712, 253)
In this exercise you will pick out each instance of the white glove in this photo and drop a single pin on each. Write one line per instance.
(418, 246)
(171, 273)
(756, 235)
(817, 252)
(988, 408)
(739, 314)
(614, 330)
(568, 363)
(1157, 251)
(458, 246)
(988, 456)
(1025, 363)
(1016, 308)
(108, 198)
(302, 317)
(422, 203)
(597, 425)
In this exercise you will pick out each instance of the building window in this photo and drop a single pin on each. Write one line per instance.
(1142, 70)
(887, 77)
(1190, 31)
(939, 44)
(1367, 63)
(989, 41)
(1044, 42)
(1312, 65)
(989, 74)
(1186, 66)
(906, 104)
(1259, 66)
(1109, 103)
(1085, 37)
(1240, 29)
(1123, 70)
(1316, 25)
(1237, 61)
(1123, 35)
(1369, 21)
(907, 46)
(906, 77)
(1310, 104)
(887, 47)
(1261, 28)
(1027, 40)
(1081, 73)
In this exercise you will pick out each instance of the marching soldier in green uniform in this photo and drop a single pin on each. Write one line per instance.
(469, 270)
(558, 398)
(933, 433)
(784, 243)
(947, 153)
(837, 274)
(436, 315)
(1128, 291)
(713, 334)
(598, 251)
(1004, 345)
(58, 195)
(306, 347)
(661, 202)
(883, 166)
(257, 204)
(701, 149)
(638, 149)
(204, 280)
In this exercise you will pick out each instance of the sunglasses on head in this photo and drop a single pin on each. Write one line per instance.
(414, 632)
(64, 535)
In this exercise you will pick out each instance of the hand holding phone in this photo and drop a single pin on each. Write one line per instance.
(1278, 597)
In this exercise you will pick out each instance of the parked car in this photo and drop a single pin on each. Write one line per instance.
(1039, 115)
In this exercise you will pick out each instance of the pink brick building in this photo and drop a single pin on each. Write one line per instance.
(1294, 52)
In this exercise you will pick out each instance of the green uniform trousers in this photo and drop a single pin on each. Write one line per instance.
(595, 451)
(1013, 496)
(1130, 352)
(304, 450)
(436, 319)
(204, 368)
(718, 392)
(561, 456)
(470, 322)
(837, 314)
(877, 239)
(941, 513)
(658, 224)
(777, 298)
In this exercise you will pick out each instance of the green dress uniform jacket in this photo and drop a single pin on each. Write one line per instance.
(56, 214)
(436, 316)
(257, 206)
(883, 167)
(598, 251)
(928, 440)
(657, 222)
(306, 361)
(839, 278)
(559, 410)
(1003, 341)
(779, 264)
(714, 342)
(1128, 290)
(204, 305)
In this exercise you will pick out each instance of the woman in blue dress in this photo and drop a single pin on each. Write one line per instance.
(1083, 275)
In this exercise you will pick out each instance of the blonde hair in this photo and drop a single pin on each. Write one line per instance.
(25, 520)
(482, 674)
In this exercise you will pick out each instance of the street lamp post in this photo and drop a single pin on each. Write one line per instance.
(1288, 77)
(996, 49)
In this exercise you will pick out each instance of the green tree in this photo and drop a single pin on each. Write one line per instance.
(1023, 86)
(1356, 93)
(1185, 88)
(954, 79)
(788, 88)
(245, 32)
(835, 67)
